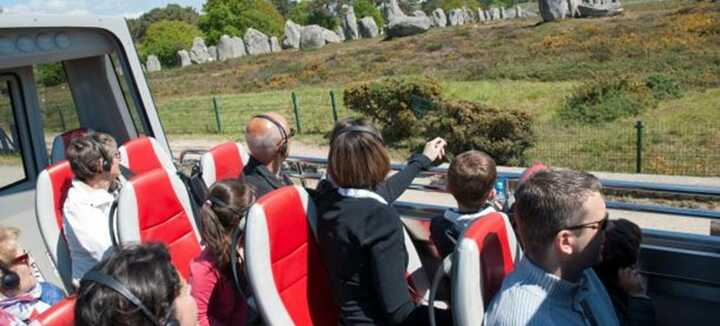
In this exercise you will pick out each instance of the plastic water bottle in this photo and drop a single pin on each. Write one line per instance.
(501, 191)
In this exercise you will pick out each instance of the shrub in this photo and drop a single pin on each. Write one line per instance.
(503, 134)
(389, 103)
(51, 74)
(603, 99)
(365, 8)
(165, 38)
(233, 17)
(139, 26)
(663, 87)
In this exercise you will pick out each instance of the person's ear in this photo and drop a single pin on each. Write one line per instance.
(564, 242)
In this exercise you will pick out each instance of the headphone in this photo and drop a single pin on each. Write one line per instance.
(104, 156)
(283, 133)
(363, 129)
(10, 280)
(110, 282)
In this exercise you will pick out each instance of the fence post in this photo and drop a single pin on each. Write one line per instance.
(62, 119)
(638, 146)
(297, 115)
(216, 109)
(334, 105)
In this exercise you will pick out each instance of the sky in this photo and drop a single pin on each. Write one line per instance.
(126, 8)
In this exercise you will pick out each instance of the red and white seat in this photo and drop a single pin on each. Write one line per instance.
(61, 141)
(223, 161)
(52, 187)
(60, 314)
(155, 207)
(284, 267)
(145, 154)
(486, 253)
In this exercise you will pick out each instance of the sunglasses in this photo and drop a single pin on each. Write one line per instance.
(601, 224)
(23, 259)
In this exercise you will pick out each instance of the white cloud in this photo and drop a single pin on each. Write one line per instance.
(126, 8)
(69, 7)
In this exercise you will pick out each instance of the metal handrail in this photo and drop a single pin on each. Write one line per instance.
(616, 184)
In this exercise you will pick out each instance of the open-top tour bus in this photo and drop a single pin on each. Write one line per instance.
(107, 91)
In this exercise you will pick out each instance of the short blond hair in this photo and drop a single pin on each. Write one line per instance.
(8, 243)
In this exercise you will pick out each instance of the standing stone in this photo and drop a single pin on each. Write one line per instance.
(557, 9)
(331, 37)
(488, 15)
(503, 14)
(349, 23)
(292, 35)
(495, 13)
(340, 32)
(199, 52)
(184, 58)
(275, 44)
(439, 18)
(419, 13)
(518, 12)
(468, 16)
(312, 37)
(212, 51)
(256, 42)
(392, 11)
(238, 46)
(456, 17)
(225, 48)
(368, 28)
(481, 15)
(153, 64)
(408, 25)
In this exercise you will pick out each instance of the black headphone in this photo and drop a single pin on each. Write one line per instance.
(106, 159)
(108, 281)
(363, 129)
(283, 133)
(10, 280)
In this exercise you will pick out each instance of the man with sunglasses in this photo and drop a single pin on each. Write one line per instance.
(21, 295)
(267, 136)
(561, 220)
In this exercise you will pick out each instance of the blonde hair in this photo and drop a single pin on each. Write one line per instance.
(8, 243)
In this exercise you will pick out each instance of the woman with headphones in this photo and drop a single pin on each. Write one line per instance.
(95, 162)
(137, 285)
(219, 301)
(361, 237)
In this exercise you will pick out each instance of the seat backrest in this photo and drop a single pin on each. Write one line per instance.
(144, 154)
(223, 161)
(284, 267)
(60, 314)
(61, 141)
(155, 207)
(486, 253)
(51, 190)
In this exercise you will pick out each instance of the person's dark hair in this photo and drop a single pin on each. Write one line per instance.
(146, 271)
(85, 152)
(227, 200)
(620, 250)
(471, 177)
(548, 202)
(345, 123)
(357, 159)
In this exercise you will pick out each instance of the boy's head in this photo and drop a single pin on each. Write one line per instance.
(13, 259)
(471, 178)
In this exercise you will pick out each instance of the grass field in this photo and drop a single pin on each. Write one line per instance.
(509, 65)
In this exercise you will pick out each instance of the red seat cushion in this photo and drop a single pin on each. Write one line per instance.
(142, 155)
(491, 238)
(61, 177)
(60, 314)
(228, 161)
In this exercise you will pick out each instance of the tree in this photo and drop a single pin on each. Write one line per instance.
(318, 12)
(365, 8)
(233, 17)
(139, 26)
(447, 5)
(165, 38)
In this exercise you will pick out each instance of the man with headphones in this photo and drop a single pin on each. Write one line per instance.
(95, 162)
(267, 136)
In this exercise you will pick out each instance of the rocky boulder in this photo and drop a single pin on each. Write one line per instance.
(340, 32)
(495, 13)
(456, 17)
(600, 8)
(419, 13)
(349, 23)
(183, 57)
(239, 47)
(275, 45)
(225, 48)
(481, 15)
(199, 52)
(153, 64)
(392, 11)
(331, 37)
(439, 18)
(292, 35)
(468, 16)
(408, 25)
(256, 42)
(368, 28)
(212, 51)
(312, 37)
(557, 9)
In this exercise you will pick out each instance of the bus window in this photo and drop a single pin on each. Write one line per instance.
(56, 101)
(11, 161)
(131, 102)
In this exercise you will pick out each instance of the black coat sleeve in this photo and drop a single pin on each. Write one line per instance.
(394, 186)
(641, 311)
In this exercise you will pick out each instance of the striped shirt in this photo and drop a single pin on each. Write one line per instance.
(531, 296)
